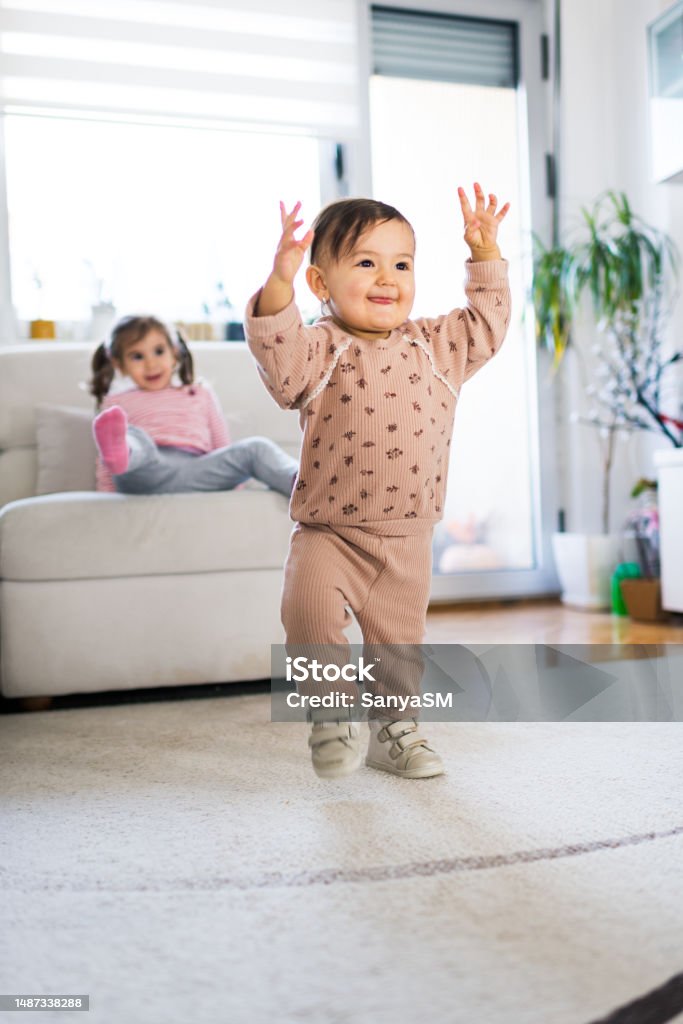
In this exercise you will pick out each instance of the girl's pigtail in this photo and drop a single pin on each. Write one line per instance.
(185, 360)
(102, 373)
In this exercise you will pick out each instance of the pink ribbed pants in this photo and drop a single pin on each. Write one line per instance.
(386, 582)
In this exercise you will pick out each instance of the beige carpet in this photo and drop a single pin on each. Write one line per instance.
(180, 862)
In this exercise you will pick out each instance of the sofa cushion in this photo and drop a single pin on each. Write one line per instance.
(66, 449)
(89, 535)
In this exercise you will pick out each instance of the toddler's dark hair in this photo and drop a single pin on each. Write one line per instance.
(339, 225)
(126, 332)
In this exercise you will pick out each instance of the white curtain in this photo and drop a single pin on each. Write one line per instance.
(272, 65)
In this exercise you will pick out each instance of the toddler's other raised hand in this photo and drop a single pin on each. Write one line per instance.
(290, 252)
(278, 291)
(481, 224)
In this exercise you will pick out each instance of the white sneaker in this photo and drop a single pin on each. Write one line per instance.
(335, 748)
(398, 748)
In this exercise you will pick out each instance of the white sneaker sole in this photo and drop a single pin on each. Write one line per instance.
(426, 772)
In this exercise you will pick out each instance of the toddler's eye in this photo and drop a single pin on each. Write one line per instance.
(159, 351)
(135, 356)
(365, 263)
(403, 266)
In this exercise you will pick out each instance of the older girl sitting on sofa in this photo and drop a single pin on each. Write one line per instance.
(161, 436)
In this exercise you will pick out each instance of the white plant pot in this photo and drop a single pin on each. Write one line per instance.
(585, 564)
(102, 320)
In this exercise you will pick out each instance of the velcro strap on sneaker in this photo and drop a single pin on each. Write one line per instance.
(394, 730)
(316, 715)
(340, 731)
(404, 743)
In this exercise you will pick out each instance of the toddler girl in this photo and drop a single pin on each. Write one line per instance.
(376, 393)
(161, 438)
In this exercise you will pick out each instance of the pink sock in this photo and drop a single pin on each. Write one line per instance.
(109, 430)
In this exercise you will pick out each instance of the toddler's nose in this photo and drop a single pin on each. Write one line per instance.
(386, 275)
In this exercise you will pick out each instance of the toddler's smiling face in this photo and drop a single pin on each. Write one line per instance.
(371, 290)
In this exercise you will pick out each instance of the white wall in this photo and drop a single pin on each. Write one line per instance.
(604, 145)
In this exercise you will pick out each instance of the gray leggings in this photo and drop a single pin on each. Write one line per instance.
(162, 470)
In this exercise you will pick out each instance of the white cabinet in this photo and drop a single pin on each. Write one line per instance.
(670, 497)
(665, 53)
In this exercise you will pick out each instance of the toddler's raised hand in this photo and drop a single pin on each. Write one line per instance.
(481, 224)
(290, 252)
(278, 291)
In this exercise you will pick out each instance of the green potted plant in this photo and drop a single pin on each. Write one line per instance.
(629, 270)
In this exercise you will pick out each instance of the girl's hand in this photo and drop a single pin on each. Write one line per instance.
(290, 253)
(481, 224)
(278, 291)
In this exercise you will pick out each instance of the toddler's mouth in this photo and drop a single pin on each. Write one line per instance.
(381, 300)
(155, 376)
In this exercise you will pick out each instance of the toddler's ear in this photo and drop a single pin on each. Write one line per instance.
(316, 282)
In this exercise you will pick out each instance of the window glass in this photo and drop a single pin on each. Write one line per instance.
(428, 138)
(165, 219)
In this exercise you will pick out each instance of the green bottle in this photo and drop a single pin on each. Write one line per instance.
(624, 571)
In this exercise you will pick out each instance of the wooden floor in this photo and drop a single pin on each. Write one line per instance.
(542, 621)
(503, 622)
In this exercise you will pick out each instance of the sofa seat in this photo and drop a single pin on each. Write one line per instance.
(108, 592)
(86, 535)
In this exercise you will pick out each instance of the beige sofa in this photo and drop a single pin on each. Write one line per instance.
(109, 592)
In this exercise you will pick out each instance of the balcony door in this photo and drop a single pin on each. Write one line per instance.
(449, 104)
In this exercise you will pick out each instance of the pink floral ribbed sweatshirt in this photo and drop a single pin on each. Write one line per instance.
(377, 416)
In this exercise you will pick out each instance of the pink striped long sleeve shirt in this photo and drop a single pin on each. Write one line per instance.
(182, 417)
